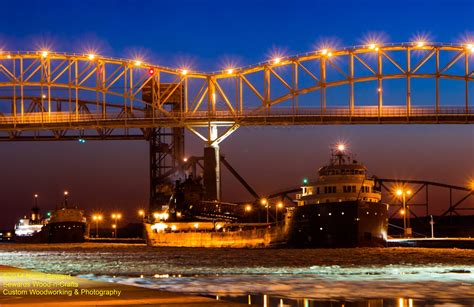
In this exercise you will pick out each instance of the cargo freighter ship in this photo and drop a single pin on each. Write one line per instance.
(65, 224)
(342, 208)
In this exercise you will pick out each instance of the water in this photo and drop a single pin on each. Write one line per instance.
(361, 276)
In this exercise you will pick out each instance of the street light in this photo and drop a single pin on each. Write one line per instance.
(264, 202)
(114, 231)
(403, 193)
(277, 206)
(97, 218)
(141, 213)
(116, 217)
(66, 193)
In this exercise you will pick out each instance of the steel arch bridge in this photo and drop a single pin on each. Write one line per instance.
(61, 96)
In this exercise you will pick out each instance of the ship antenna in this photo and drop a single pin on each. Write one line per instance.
(340, 153)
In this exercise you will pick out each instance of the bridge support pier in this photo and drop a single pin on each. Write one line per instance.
(212, 170)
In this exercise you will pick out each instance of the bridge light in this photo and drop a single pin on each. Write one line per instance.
(263, 201)
(91, 56)
(44, 53)
(341, 147)
(379, 89)
(185, 159)
(276, 60)
(329, 54)
(402, 212)
(399, 192)
(420, 44)
(138, 63)
(230, 71)
(372, 46)
(280, 205)
(248, 208)
(43, 96)
(184, 72)
(305, 180)
(151, 71)
(324, 51)
(9, 56)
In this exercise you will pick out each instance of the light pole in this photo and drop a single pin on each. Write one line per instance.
(406, 216)
(264, 202)
(432, 227)
(35, 215)
(116, 217)
(97, 218)
(66, 193)
(141, 213)
(277, 206)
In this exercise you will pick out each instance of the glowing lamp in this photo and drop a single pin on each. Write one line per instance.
(305, 180)
(263, 201)
(91, 56)
(341, 147)
(44, 53)
(248, 208)
(399, 192)
(324, 51)
(184, 72)
(420, 44)
(151, 71)
(230, 71)
(138, 62)
(276, 60)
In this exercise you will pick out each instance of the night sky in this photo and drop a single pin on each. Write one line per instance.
(113, 175)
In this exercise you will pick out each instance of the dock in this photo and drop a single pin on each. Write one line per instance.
(21, 287)
(467, 243)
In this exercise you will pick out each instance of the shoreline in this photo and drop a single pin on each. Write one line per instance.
(22, 287)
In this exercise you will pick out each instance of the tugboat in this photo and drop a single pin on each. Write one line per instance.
(342, 208)
(65, 224)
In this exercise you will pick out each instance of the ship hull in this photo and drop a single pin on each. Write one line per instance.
(61, 232)
(252, 238)
(343, 224)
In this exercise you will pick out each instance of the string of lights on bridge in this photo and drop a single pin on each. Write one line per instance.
(275, 60)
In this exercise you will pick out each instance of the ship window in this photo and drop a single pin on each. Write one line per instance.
(334, 189)
(353, 188)
(317, 190)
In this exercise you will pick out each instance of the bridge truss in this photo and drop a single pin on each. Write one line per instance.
(59, 96)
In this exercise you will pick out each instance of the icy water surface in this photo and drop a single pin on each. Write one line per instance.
(294, 277)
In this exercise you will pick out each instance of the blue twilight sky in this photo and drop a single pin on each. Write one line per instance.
(207, 35)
